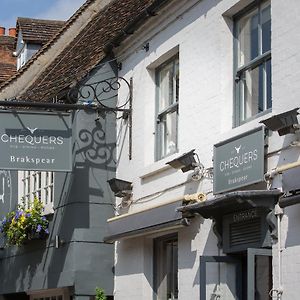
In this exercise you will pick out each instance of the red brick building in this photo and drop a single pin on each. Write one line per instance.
(8, 62)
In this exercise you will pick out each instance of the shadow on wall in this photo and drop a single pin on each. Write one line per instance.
(195, 240)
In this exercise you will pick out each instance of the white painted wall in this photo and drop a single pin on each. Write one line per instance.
(203, 33)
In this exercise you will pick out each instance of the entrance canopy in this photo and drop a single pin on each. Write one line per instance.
(242, 219)
(233, 202)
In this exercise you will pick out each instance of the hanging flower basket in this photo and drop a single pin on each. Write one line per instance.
(25, 224)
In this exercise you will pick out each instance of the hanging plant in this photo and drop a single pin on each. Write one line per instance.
(25, 224)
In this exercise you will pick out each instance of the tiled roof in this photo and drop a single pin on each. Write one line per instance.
(6, 71)
(38, 31)
(88, 48)
(46, 46)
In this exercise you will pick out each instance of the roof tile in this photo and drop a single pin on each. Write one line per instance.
(37, 30)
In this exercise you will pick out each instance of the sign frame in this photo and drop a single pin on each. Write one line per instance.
(244, 159)
(32, 141)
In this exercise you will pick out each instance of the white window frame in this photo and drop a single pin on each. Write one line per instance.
(21, 59)
(163, 113)
(243, 69)
(38, 184)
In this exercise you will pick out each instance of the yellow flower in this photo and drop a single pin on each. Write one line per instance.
(22, 219)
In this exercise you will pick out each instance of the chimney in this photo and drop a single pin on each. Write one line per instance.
(2, 31)
(12, 32)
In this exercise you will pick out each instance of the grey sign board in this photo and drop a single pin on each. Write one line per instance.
(239, 161)
(35, 141)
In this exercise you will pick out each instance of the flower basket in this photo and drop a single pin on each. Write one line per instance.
(25, 224)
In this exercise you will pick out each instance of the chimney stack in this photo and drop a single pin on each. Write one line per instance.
(12, 32)
(2, 31)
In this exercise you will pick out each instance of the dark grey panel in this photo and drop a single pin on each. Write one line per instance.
(139, 222)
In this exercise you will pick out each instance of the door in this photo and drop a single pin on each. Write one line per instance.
(220, 278)
(259, 274)
(244, 276)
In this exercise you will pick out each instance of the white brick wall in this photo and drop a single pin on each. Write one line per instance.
(205, 41)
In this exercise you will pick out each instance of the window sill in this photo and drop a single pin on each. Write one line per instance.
(256, 118)
(158, 167)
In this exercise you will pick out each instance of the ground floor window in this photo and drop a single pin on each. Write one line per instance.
(37, 184)
(166, 267)
(52, 294)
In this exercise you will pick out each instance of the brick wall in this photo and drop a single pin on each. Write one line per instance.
(8, 62)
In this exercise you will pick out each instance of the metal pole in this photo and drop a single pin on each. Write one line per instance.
(59, 106)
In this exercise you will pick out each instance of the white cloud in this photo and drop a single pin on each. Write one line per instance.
(61, 10)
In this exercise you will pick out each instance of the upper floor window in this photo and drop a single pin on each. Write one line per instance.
(167, 79)
(253, 60)
(37, 184)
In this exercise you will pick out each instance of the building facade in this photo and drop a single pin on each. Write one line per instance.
(208, 80)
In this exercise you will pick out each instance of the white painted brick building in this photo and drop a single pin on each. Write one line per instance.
(196, 44)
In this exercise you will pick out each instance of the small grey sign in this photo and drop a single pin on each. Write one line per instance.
(239, 161)
(35, 141)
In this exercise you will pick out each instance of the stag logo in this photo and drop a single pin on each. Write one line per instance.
(32, 130)
(238, 149)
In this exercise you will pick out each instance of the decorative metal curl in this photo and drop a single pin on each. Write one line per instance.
(103, 92)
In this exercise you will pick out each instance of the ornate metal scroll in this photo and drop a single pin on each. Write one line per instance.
(104, 92)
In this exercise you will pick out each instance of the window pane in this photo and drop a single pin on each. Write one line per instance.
(253, 92)
(168, 85)
(266, 29)
(168, 130)
(165, 87)
(248, 38)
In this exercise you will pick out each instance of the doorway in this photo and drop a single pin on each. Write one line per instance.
(240, 276)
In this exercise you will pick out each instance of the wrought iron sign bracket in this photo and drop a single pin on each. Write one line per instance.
(60, 106)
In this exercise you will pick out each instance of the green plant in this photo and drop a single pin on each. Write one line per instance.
(100, 295)
(24, 224)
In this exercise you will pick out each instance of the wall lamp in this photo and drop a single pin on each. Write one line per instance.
(284, 123)
(121, 188)
(187, 162)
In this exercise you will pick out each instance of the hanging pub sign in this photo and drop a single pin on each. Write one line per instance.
(239, 161)
(40, 141)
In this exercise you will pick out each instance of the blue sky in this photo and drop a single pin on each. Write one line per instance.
(40, 9)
